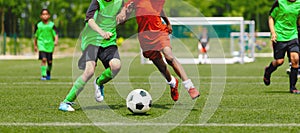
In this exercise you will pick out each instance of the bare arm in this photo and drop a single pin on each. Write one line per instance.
(272, 29)
(94, 6)
(125, 12)
(95, 27)
(165, 18)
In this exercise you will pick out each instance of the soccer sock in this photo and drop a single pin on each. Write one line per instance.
(49, 68)
(188, 84)
(271, 68)
(75, 90)
(293, 77)
(104, 77)
(43, 70)
(172, 83)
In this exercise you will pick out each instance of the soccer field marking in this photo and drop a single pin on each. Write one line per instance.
(122, 77)
(126, 83)
(61, 124)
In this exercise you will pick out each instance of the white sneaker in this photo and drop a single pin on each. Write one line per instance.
(99, 93)
(66, 107)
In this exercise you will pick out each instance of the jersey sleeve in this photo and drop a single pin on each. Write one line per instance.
(94, 6)
(55, 31)
(274, 9)
(35, 30)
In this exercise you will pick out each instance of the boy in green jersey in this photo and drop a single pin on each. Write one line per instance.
(46, 37)
(98, 42)
(283, 28)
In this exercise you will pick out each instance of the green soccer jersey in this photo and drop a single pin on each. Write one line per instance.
(285, 17)
(45, 34)
(105, 17)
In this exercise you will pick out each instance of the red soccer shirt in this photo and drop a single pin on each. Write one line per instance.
(153, 34)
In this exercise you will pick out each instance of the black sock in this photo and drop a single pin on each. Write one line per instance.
(293, 77)
(271, 68)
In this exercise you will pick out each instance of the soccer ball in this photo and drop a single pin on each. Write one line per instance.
(138, 101)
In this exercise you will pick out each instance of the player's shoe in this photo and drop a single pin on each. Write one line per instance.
(48, 77)
(294, 91)
(99, 92)
(267, 77)
(67, 107)
(174, 91)
(194, 93)
(43, 78)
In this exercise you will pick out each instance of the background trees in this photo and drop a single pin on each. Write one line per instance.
(18, 17)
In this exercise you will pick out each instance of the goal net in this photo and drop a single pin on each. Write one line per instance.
(231, 40)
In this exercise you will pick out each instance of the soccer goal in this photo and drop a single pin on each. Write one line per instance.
(227, 40)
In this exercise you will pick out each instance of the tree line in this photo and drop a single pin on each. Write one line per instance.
(20, 16)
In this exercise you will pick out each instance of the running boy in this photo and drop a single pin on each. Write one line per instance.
(154, 41)
(283, 28)
(46, 38)
(98, 42)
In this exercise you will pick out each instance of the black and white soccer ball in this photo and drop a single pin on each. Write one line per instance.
(139, 101)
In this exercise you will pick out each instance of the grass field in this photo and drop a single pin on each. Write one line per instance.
(246, 104)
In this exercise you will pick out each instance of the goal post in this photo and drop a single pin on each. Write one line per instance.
(217, 54)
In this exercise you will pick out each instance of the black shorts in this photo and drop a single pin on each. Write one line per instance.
(48, 56)
(93, 53)
(280, 48)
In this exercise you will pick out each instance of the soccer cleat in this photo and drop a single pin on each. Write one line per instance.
(194, 93)
(294, 91)
(43, 78)
(174, 91)
(99, 92)
(66, 107)
(48, 77)
(267, 77)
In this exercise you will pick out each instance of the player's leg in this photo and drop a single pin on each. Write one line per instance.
(294, 57)
(111, 60)
(88, 63)
(49, 66)
(156, 58)
(279, 52)
(177, 67)
(78, 86)
(43, 68)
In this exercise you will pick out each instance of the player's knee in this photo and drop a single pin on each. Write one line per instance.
(115, 65)
(279, 62)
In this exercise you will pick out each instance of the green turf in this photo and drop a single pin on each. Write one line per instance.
(31, 105)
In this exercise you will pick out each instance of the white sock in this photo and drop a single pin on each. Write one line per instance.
(172, 83)
(188, 84)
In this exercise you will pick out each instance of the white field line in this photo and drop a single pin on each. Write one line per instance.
(61, 124)
(128, 83)
(126, 77)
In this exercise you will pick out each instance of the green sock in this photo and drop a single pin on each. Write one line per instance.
(104, 77)
(76, 89)
(43, 70)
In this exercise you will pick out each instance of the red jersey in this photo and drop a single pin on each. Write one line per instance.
(153, 34)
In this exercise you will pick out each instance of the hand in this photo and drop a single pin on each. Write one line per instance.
(35, 48)
(170, 30)
(274, 37)
(106, 35)
(55, 43)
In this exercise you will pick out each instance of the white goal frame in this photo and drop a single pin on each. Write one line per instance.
(192, 21)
